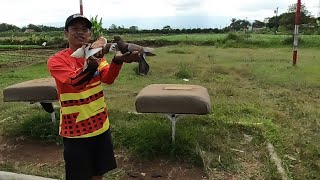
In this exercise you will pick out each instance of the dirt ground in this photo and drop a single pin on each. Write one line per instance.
(33, 152)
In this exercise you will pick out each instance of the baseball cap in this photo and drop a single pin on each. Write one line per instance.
(76, 16)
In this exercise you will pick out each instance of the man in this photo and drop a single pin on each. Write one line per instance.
(84, 124)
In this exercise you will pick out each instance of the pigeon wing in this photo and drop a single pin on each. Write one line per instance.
(123, 47)
(147, 49)
(91, 52)
(101, 42)
(79, 53)
(134, 47)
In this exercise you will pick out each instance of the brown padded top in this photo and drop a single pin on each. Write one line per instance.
(37, 90)
(173, 98)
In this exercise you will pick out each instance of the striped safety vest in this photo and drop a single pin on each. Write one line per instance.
(83, 110)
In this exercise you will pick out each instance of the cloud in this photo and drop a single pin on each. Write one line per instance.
(185, 5)
(261, 5)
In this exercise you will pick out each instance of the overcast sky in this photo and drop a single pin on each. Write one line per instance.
(146, 14)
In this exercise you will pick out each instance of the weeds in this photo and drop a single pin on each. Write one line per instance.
(183, 72)
(254, 93)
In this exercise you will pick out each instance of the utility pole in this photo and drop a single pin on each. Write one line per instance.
(81, 7)
(296, 32)
(276, 20)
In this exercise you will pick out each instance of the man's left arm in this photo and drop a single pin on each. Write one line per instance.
(109, 72)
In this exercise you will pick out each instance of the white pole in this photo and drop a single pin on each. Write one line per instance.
(81, 7)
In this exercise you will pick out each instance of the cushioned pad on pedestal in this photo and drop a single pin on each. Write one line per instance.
(37, 90)
(173, 98)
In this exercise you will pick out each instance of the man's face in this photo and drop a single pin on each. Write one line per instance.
(78, 33)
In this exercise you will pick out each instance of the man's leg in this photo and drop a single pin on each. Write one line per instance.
(103, 159)
(78, 159)
(97, 178)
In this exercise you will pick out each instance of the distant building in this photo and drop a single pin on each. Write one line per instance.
(29, 30)
(258, 29)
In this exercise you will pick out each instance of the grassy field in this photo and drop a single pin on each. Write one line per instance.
(257, 97)
(233, 40)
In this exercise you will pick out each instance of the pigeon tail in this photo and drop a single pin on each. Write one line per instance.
(147, 49)
(149, 54)
(143, 67)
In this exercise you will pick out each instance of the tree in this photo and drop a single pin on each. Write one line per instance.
(258, 24)
(50, 28)
(233, 20)
(96, 28)
(8, 27)
(113, 27)
(32, 26)
(239, 24)
(293, 7)
(286, 21)
(133, 28)
(272, 22)
(167, 27)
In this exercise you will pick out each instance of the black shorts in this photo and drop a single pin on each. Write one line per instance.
(87, 157)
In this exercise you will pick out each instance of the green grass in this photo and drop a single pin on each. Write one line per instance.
(254, 93)
(19, 47)
(236, 40)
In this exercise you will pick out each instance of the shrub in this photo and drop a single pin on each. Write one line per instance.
(289, 40)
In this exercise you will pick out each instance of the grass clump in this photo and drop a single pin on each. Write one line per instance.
(183, 72)
(178, 51)
(40, 127)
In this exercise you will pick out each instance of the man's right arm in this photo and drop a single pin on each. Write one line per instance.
(63, 73)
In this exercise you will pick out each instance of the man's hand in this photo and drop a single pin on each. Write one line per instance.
(92, 63)
(127, 57)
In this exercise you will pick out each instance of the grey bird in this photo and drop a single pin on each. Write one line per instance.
(124, 47)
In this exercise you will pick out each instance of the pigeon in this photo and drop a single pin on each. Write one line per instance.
(124, 47)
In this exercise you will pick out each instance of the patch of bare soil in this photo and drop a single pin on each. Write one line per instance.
(157, 169)
(19, 58)
(27, 151)
(34, 152)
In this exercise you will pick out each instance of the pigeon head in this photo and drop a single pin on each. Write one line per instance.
(117, 39)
